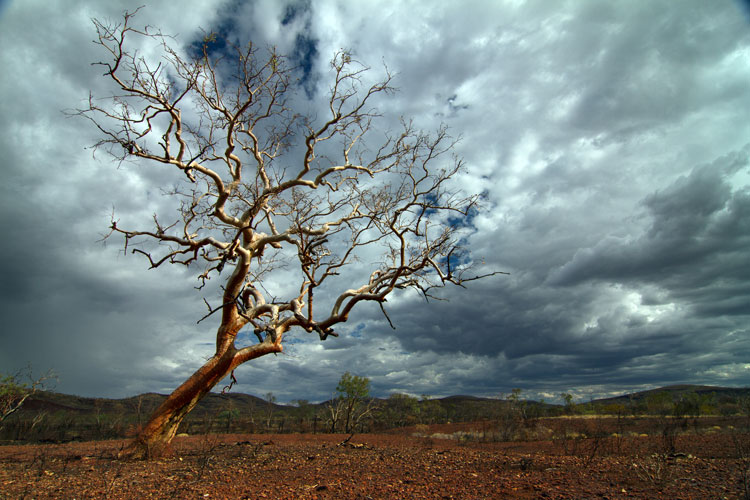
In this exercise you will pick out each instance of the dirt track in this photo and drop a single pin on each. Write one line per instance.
(379, 466)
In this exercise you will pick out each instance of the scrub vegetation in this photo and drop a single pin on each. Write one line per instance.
(674, 442)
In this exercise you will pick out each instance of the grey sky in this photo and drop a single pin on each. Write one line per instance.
(611, 140)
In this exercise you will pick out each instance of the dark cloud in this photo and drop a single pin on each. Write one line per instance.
(305, 50)
(696, 237)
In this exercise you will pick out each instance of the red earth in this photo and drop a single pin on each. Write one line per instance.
(443, 462)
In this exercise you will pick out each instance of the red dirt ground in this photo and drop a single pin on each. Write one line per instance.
(398, 465)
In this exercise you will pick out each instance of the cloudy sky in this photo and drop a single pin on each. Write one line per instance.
(612, 140)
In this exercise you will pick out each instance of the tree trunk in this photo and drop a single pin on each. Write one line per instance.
(163, 424)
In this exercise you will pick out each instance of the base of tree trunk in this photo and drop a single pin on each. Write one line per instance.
(136, 449)
(153, 440)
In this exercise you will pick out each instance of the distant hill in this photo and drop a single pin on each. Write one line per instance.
(677, 391)
(214, 403)
(55, 417)
(463, 399)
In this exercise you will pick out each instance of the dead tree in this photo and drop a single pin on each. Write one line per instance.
(267, 194)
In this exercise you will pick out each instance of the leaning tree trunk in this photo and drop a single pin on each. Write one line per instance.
(162, 427)
(163, 424)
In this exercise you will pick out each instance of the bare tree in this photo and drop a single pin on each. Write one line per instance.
(270, 402)
(275, 196)
(335, 407)
(14, 391)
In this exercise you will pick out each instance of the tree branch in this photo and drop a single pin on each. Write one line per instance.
(304, 220)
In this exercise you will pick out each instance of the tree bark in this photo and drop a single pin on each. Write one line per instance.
(163, 424)
(162, 427)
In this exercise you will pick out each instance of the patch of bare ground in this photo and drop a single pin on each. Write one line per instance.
(397, 465)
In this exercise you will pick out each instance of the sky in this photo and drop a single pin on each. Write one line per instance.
(610, 139)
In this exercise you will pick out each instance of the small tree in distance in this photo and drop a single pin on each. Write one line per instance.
(14, 391)
(353, 393)
(570, 406)
(282, 204)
